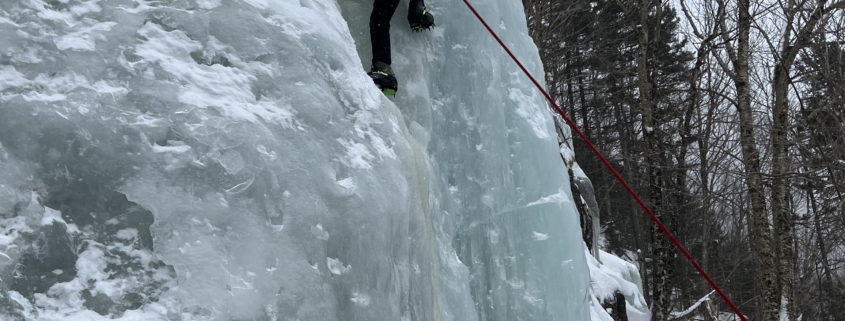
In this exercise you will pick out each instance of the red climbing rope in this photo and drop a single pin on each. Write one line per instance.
(610, 168)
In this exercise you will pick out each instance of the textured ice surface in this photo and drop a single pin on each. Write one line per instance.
(230, 160)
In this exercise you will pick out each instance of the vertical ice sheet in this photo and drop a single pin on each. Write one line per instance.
(493, 150)
(231, 160)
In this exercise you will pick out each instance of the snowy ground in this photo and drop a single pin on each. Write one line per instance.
(611, 275)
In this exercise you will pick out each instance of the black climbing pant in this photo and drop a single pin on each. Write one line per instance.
(380, 29)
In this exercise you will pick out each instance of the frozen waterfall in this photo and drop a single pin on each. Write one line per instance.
(231, 160)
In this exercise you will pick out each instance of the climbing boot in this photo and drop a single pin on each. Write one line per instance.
(419, 17)
(383, 77)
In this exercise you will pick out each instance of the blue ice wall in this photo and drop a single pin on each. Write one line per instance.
(231, 160)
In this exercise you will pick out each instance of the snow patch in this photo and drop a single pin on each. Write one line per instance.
(127, 234)
(158, 149)
(348, 183)
(360, 299)
(614, 274)
(558, 198)
(540, 236)
(227, 89)
(336, 266)
(51, 215)
(85, 38)
(11, 78)
(320, 234)
(528, 109)
(208, 4)
(357, 155)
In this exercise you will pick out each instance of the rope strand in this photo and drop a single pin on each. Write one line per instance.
(610, 168)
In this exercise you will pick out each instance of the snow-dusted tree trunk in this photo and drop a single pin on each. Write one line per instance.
(781, 197)
(660, 248)
(761, 239)
(804, 30)
(617, 308)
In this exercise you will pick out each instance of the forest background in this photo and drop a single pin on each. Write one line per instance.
(728, 116)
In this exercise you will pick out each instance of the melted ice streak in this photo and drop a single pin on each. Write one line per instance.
(251, 136)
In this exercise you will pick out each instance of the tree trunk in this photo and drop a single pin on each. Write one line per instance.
(761, 238)
(585, 116)
(781, 197)
(660, 256)
(618, 310)
(703, 150)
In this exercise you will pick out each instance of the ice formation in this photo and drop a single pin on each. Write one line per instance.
(231, 160)
(615, 274)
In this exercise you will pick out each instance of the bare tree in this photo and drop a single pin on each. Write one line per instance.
(764, 138)
(803, 18)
